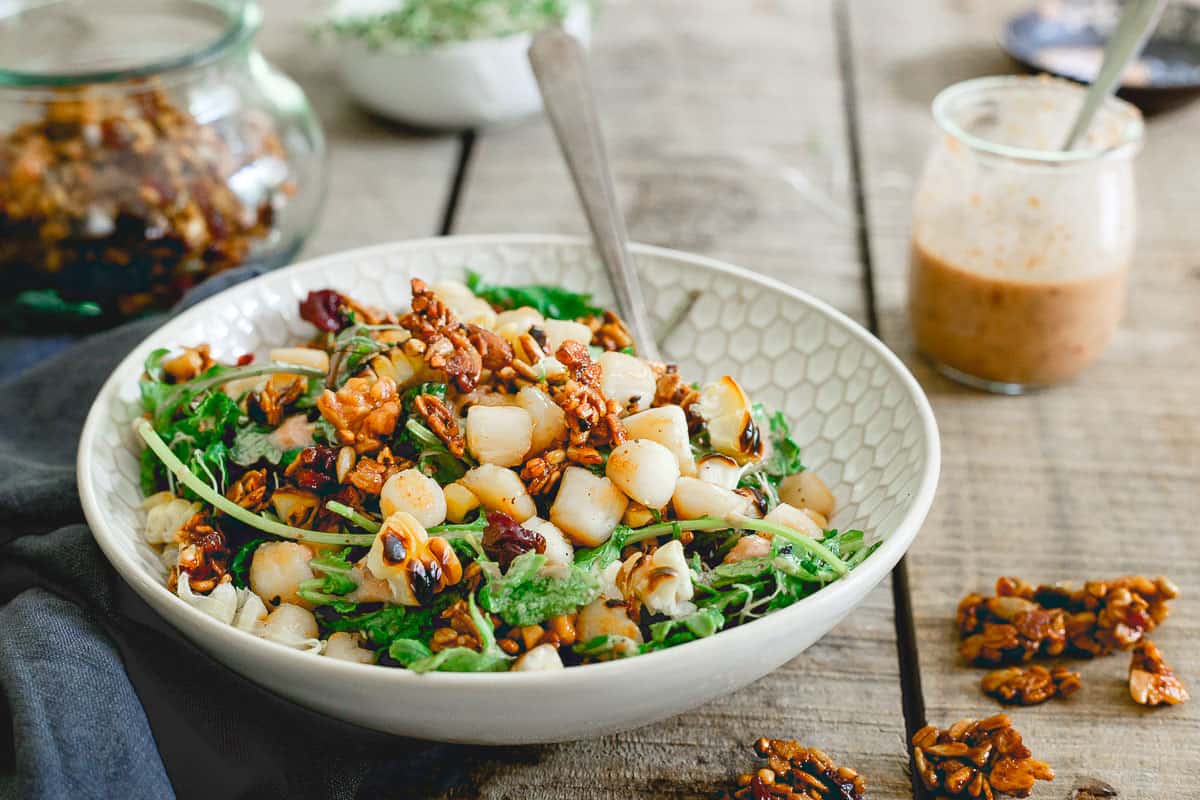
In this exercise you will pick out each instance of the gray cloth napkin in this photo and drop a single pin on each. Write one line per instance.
(105, 699)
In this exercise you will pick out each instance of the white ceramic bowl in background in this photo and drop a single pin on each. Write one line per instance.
(457, 85)
(863, 423)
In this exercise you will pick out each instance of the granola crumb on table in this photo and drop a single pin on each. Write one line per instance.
(976, 759)
(1021, 621)
(1030, 685)
(1152, 682)
(795, 772)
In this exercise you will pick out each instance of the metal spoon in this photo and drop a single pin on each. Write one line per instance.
(560, 65)
(1127, 40)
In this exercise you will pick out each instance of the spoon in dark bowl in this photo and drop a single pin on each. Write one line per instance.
(560, 65)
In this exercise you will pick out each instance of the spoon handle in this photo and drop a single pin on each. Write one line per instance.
(560, 66)
(1127, 40)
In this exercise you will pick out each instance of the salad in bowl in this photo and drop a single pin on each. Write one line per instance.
(491, 479)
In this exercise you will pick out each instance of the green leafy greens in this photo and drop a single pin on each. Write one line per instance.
(525, 596)
(415, 655)
(552, 302)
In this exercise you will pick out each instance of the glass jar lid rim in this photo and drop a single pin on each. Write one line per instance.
(244, 19)
(1128, 142)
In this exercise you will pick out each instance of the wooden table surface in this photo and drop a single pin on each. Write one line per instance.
(786, 136)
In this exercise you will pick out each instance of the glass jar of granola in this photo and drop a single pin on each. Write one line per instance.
(145, 145)
(1020, 249)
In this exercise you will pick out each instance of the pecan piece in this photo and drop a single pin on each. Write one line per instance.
(795, 772)
(250, 491)
(591, 418)
(363, 412)
(609, 331)
(977, 759)
(542, 473)
(203, 555)
(494, 351)
(189, 364)
(439, 419)
(1030, 685)
(370, 474)
(1152, 682)
(671, 390)
(270, 403)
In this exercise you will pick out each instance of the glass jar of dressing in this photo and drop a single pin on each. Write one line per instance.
(1019, 249)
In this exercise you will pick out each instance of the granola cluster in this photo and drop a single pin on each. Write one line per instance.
(977, 759)
(795, 772)
(1152, 682)
(591, 417)
(1021, 621)
(445, 343)
(1030, 685)
(203, 555)
(364, 411)
(126, 199)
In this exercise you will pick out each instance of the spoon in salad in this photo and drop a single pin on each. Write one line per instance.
(560, 65)
(1133, 29)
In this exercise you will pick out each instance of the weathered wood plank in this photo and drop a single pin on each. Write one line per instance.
(725, 128)
(1093, 479)
(385, 182)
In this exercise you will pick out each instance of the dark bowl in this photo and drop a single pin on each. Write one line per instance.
(1068, 40)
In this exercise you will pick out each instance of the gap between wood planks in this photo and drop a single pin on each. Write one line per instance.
(912, 695)
(913, 698)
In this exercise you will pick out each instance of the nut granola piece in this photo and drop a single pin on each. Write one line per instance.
(446, 343)
(363, 412)
(542, 473)
(270, 403)
(203, 555)
(671, 390)
(1101, 617)
(1030, 685)
(370, 474)
(591, 417)
(1152, 682)
(1027, 632)
(795, 772)
(977, 759)
(250, 491)
(440, 419)
(609, 331)
(191, 363)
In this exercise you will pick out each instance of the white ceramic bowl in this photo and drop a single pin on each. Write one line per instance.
(451, 86)
(860, 417)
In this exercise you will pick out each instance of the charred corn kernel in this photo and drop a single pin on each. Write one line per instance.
(460, 501)
(644, 470)
(295, 507)
(499, 435)
(416, 493)
(668, 426)
(500, 489)
(587, 507)
(807, 490)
